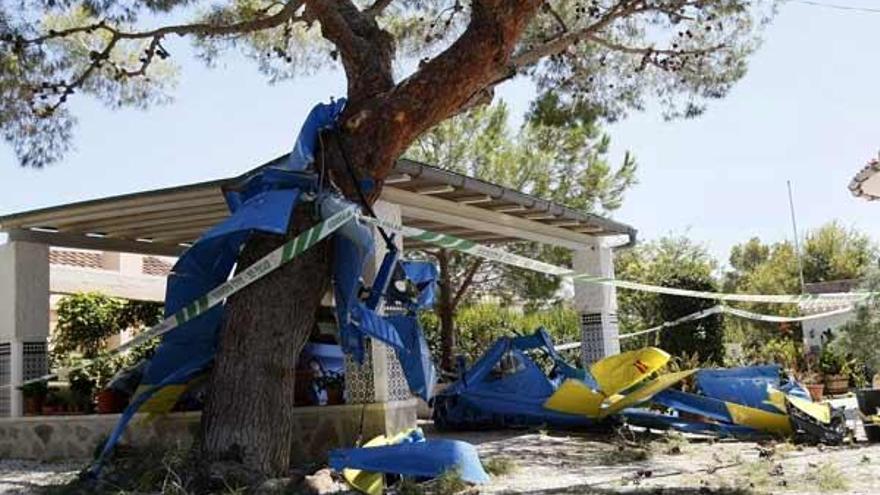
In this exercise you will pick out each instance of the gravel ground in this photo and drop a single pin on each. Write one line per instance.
(554, 463)
(551, 463)
(28, 476)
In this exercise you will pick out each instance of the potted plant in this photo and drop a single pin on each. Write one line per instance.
(835, 369)
(107, 400)
(812, 379)
(82, 387)
(34, 394)
(333, 384)
(59, 401)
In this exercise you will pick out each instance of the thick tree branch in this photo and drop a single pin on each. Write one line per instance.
(467, 282)
(442, 86)
(590, 33)
(287, 12)
(568, 38)
(377, 8)
(367, 51)
(649, 50)
(154, 47)
(558, 18)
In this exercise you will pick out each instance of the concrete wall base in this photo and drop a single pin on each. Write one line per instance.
(318, 430)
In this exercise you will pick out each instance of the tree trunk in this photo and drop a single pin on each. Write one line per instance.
(248, 415)
(446, 312)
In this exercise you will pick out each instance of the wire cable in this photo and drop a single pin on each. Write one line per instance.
(389, 240)
(835, 6)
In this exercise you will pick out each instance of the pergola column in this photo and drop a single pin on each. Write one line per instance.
(24, 319)
(596, 304)
(380, 379)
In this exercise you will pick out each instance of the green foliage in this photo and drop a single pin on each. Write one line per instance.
(703, 338)
(826, 478)
(680, 55)
(833, 362)
(87, 320)
(782, 351)
(559, 154)
(480, 325)
(831, 252)
(34, 389)
(448, 483)
(673, 261)
(860, 337)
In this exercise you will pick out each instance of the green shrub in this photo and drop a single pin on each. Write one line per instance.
(479, 325)
(782, 351)
(859, 339)
(703, 338)
(85, 322)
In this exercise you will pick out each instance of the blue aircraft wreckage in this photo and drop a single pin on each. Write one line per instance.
(506, 387)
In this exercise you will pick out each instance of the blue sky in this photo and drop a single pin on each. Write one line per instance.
(808, 111)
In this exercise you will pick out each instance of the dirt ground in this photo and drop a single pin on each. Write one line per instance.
(567, 463)
(554, 463)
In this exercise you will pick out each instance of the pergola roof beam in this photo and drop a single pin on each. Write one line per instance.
(430, 198)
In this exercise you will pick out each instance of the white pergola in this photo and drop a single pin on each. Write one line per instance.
(166, 221)
(866, 183)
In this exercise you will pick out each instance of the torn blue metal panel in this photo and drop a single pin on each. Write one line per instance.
(657, 421)
(206, 265)
(695, 404)
(371, 324)
(504, 388)
(540, 339)
(746, 385)
(415, 356)
(353, 245)
(423, 275)
(181, 375)
(428, 459)
(322, 116)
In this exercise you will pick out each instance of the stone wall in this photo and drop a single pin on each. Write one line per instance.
(318, 429)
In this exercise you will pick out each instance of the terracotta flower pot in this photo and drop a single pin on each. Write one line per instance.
(817, 390)
(109, 402)
(836, 384)
(33, 406)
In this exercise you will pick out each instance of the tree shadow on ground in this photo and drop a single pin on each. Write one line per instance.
(592, 490)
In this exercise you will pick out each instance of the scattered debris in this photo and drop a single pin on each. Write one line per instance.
(274, 486)
(421, 459)
(322, 482)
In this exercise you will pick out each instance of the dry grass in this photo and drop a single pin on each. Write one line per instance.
(499, 466)
(826, 477)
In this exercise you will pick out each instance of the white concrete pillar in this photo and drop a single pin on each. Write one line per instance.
(383, 357)
(596, 304)
(380, 378)
(127, 263)
(24, 316)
